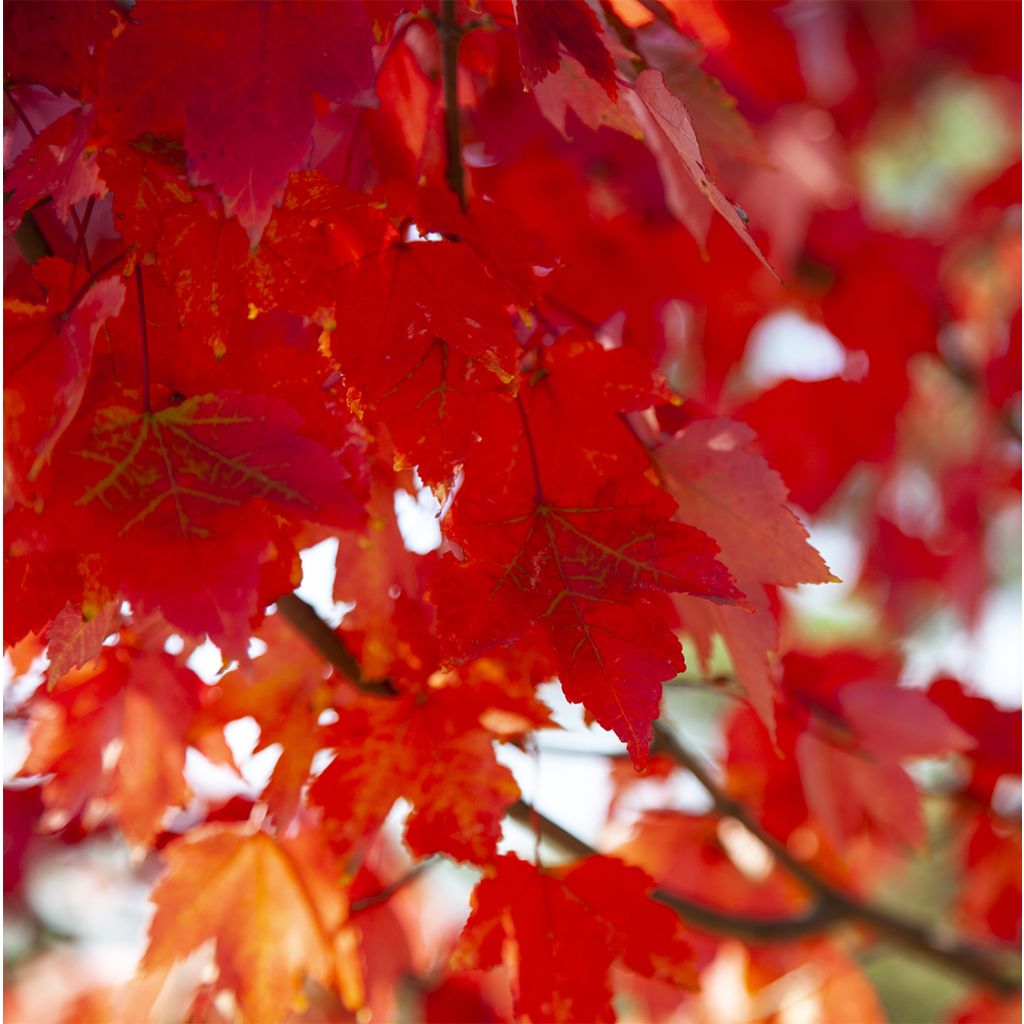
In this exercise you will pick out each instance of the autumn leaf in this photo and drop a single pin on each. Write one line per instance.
(242, 78)
(275, 909)
(689, 187)
(57, 163)
(204, 255)
(567, 928)
(74, 638)
(112, 737)
(563, 535)
(429, 748)
(160, 486)
(47, 361)
(543, 30)
(995, 730)
(422, 335)
(57, 47)
(727, 489)
(285, 691)
(148, 181)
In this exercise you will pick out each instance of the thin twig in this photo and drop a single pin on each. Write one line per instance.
(80, 247)
(147, 404)
(450, 35)
(831, 906)
(303, 618)
(383, 895)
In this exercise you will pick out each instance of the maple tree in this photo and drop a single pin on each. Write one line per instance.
(270, 265)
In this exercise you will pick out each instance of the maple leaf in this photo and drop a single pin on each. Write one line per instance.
(113, 735)
(374, 569)
(568, 927)
(544, 29)
(74, 638)
(242, 77)
(570, 88)
(316, 214)
(420, 329)
(650, 111)
(274, 907)
(792, 418)
(563, 531)
(727, 489)
(843, 729)
(48, 352)
(147, 180)
(56, 46)
(161, 487)
(429, 748)
(422, 334)
(285, 690)
(990, 896)
(689, 187)
(56, 163)
(205, 256)
(996, 731)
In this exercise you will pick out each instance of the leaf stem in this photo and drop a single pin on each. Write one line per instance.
(538, 496)
(147, 404)
(89, 282)
(80, 247)
(450, 34)
(16, 107)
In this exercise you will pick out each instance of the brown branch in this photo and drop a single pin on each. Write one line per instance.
(831, 905)
(303, 618)
(384, 894)
(450, 35)
(700, 915)
(967, 959)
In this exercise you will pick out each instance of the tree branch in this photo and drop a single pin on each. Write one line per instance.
(831, 906)
(830, 909)
(960, 956)
(303, 618)
(700, 915)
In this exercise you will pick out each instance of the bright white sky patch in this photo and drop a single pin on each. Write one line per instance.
(319, 564)
(787, 345)
(417, 520)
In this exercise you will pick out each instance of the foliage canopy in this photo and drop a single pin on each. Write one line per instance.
(270, 265)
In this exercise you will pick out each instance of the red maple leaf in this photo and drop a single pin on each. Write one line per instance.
(238, 76)
(568, 927)
(564, 532)
(112, 737)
